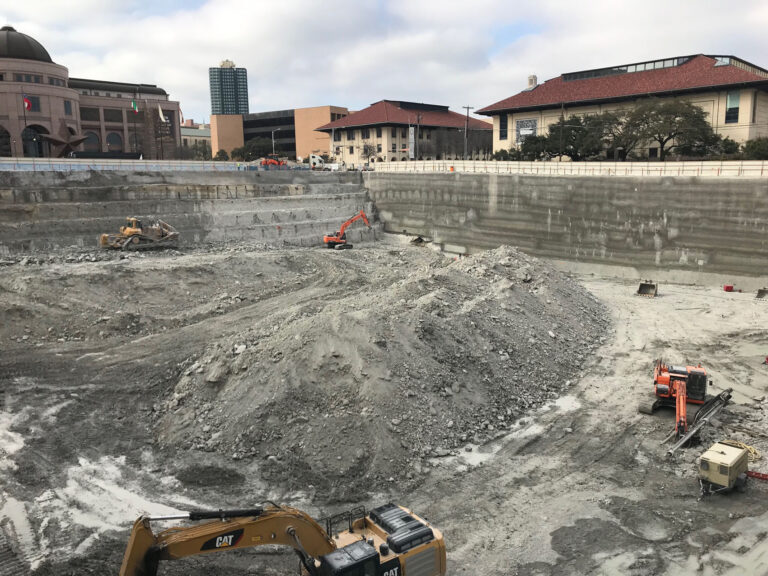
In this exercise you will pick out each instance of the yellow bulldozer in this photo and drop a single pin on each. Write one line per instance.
(136, 236)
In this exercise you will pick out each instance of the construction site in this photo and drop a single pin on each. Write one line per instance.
(537, 368)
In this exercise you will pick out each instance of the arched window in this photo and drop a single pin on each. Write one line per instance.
(393, 159)
(114, 142)
(5, 142)
(33, 144)
(92, 142)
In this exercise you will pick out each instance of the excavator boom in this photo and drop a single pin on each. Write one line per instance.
(234, 529)
(339, 239)
(384, 543)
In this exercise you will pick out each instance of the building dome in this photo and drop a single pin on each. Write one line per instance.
(17, 45)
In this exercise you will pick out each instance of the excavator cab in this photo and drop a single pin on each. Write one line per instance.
(356, 559)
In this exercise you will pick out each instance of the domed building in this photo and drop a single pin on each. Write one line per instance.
(44, 112)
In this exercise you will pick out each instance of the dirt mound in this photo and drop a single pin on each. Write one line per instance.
(390, 358)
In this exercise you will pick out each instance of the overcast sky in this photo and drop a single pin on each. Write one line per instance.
(355, 52)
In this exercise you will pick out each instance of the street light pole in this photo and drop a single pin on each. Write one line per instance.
(273, 138)
(466, 129)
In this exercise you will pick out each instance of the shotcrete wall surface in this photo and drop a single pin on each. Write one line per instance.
(47, 210)
(700, 225)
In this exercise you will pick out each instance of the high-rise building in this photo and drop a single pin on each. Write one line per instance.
(229, 89)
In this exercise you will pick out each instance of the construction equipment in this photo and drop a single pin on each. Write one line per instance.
(708, 410)
(136, 236)
(338, 240)
(677, 386)
(723, 467)
(273, 160)
(648, 288)
(761, 293)
(390, 541)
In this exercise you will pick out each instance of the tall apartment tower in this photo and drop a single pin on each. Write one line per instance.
(229, 89)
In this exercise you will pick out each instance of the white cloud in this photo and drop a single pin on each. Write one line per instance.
(352, 53)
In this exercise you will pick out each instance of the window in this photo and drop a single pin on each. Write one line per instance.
(35, 101)
(704, 464)
(2, 77)
(378, 130)
(503, 121)
(394, 147)
(18, 78)
(337, 136)
(351, 149)
(89, 114)
(114, 142)
(394, 133)
(113, 115)
(732, 108)
(338, 150)
(723, 469)
(525, 128)
(653, 152)
(404, 133)
(67, 107)
(92, 143)
(428, 134)
(365, 133)
(378, 148)
(350, 134)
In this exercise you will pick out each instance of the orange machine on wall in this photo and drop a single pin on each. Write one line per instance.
(338, 240)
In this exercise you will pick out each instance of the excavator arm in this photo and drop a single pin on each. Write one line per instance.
(352, 220)
(233, 529)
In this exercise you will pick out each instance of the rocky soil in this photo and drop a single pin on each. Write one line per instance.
(493, 394)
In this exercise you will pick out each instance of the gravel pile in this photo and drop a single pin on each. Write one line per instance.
(394, 358)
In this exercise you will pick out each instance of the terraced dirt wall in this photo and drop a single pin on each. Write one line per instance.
(48, 210)
(651, 224)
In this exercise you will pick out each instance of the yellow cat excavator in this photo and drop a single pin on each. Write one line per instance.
(388, 541)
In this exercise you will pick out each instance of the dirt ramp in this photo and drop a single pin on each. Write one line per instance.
(386, 359)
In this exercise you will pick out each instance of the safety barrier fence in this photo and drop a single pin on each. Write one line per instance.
(74, 165)
(741, 169)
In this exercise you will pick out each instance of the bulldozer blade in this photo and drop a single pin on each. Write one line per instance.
(762, 293)
(648, 288)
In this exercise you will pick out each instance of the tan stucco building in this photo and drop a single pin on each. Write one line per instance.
(44, 112)
(732, 92)
(398, 131)
(293, 131)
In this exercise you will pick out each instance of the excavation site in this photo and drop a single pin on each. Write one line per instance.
(250, 373)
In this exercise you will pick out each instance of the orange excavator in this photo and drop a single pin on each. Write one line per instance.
(338, 241)
(388, 541)
(677, 386)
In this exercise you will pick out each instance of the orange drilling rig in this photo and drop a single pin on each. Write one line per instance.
(677, 386)
(338, 240)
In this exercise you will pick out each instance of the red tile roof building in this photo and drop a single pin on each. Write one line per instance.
(396, 131)
(732, 91)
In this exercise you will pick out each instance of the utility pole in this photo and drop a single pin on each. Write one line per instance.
(466, 129)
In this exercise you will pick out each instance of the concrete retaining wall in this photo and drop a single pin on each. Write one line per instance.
(651, 223)
(55, 209)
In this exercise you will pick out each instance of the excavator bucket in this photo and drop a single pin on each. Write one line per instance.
(762, 293)
(648, 288)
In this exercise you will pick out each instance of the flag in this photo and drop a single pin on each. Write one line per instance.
(135, 106)
(27, 102)
(162, 118)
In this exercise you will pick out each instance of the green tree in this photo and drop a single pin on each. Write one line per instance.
(622, 132)
(756, 149)
(534, 148)
(253, 150)
(221, 156)
(577, 137)
(673, 123)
